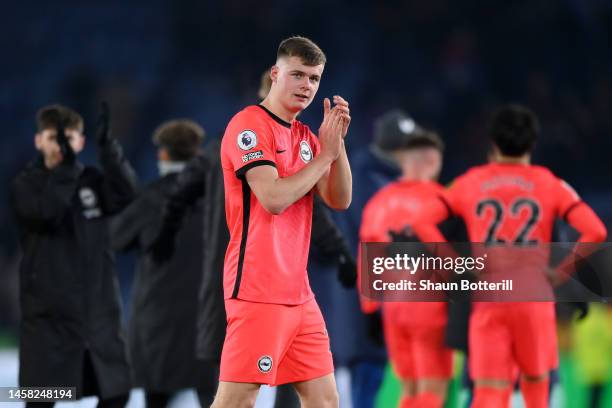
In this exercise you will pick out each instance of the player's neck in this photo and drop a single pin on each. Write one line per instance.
(410, 174)
(525, 159)
(413, 167)
(274, 106)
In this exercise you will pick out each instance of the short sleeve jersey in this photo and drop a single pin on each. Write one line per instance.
(267, 254)
(394, 209)
(510, 203)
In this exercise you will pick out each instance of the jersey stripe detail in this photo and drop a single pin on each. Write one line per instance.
(276, 118)
(242, 171)
(570, 209)
(246, 213)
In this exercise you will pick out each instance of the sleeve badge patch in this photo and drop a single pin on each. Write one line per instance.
(247, 139)
(252, 156)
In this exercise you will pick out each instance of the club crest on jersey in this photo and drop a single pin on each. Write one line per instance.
(264, 364)
(247, 139)
(305, 151)
(89, 201)
(88, 197)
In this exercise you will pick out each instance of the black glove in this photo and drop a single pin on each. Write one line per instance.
(103, 125)
(347, 270)
(398, 247)
(68, 156)
(406, 235)
(375, 328)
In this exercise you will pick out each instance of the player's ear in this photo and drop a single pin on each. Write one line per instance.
(274, 72)
(37, 141)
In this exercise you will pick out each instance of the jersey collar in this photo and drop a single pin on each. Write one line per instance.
(276, 118)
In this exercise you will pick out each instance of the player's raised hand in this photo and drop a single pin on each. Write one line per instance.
(103, 125)
(326, 108)
(330, 131)
(342, 105)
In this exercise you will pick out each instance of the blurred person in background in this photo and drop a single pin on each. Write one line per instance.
(71, 331)
(414, 331)
(200, 181)
(375, 167)
(265, 84)
(592, 352)
(162, 327)
(511, 201)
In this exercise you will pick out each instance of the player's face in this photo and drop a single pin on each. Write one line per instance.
(432, 159)
(295, 84)
(46, 143)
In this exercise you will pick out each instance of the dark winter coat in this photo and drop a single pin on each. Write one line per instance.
(69, 290)
(162, 326)
(202, 179)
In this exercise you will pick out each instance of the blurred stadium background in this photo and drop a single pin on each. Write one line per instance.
(447, 63)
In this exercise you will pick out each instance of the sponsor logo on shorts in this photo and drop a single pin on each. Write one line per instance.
(247, 139)
(305, 151)
(252, 156)
(264, 364)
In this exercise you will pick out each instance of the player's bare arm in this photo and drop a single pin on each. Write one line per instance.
(588, 224)
(276, 193)
(591, 229)
(336, 185)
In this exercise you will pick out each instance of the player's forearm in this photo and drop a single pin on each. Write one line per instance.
(283, 192)
(584, 220)
(339, 184)
(592, 231)
(120, 183)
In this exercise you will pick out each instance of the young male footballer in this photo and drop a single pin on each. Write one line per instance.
(272, 167)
